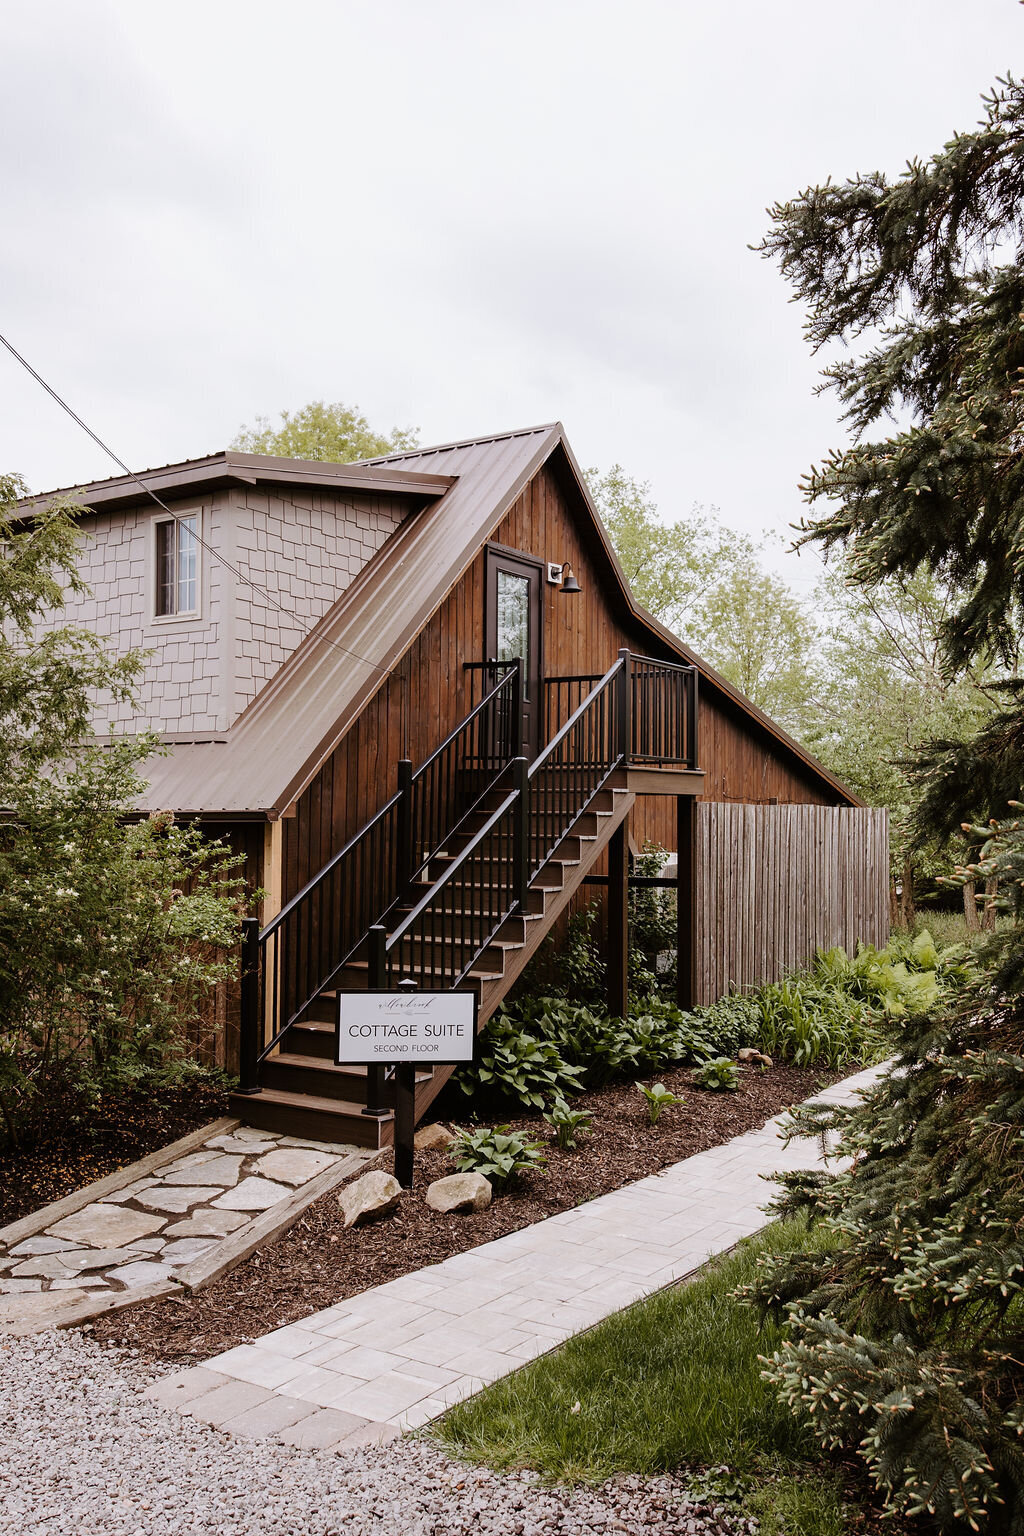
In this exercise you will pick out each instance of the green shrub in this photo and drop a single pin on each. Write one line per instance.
(658, 1098)
(718, 1073)
(568, 1124)
(515, 1066)
(499, 1153)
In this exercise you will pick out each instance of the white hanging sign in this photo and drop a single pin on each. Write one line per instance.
(428, 1027)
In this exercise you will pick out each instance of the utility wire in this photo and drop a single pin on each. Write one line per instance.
(213, 553)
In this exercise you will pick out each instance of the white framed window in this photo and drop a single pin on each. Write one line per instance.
(177, 567)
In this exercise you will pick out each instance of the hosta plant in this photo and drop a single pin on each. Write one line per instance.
(497, 1152)
(568, 1124)
(720, 1073)
(658, 1098)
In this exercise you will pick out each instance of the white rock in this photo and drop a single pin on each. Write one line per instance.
(460, 1192)
(374, 1194)
(293, 1164)
(251, 1195)
(177, 1197)
(106, 1226)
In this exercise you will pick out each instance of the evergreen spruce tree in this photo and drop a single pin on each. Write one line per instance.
(906, 1337)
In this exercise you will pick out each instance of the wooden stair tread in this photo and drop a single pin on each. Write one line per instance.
(341, 1109)
(324, 1064)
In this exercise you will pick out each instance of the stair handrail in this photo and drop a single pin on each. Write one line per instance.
(257, 942)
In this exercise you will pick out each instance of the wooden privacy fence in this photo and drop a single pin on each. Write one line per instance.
(773, 883)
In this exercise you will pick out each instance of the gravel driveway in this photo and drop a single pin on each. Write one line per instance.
(82, 1452)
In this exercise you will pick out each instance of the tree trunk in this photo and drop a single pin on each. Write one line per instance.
(971, 907)
(908, 909)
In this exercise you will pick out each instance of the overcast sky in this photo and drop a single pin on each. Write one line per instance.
(460, 215)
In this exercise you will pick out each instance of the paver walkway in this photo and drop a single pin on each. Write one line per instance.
(394, 1357)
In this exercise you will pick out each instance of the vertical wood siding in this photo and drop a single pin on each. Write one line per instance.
(776, 882)
(427, 694)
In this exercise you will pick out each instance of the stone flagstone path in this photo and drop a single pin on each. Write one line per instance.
(162, 1229)
(394, 1357)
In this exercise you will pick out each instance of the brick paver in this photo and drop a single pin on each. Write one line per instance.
(394, 1357)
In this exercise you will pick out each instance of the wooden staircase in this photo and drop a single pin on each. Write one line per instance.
(304, 1093)
(453, 884)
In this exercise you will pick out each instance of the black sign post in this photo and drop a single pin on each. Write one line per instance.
(405, 1110)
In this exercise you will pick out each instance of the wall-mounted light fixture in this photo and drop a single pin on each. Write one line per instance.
(562, 576)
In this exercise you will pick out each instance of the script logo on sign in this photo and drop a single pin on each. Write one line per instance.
(428, 1027)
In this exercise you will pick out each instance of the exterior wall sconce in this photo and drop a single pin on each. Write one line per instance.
(562, 576)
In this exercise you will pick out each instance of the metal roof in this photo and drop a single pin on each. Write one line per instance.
(275, 747)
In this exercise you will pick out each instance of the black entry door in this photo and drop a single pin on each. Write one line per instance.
(514, 587)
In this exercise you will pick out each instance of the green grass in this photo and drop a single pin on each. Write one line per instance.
(672, 1382)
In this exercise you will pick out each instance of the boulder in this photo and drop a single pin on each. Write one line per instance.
(459, 1192)
(754, 1058)
(374, 1194)
(430, 1136)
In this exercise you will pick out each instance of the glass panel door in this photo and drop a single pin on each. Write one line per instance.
(513, 628)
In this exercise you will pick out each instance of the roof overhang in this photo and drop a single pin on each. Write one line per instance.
(220, 470)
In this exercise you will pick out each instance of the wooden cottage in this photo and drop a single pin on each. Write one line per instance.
(418, 694)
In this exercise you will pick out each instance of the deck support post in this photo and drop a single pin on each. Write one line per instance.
(249, 1009)
(686, 911)
(618, 920)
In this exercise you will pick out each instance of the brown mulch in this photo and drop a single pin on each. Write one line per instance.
(79, 1144)
(318, 1263)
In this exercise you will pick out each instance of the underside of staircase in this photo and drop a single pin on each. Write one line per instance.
(304, 1093)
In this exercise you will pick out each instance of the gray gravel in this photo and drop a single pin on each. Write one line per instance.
(81, 1451)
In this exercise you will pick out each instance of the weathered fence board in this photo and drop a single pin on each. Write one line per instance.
(776, 882)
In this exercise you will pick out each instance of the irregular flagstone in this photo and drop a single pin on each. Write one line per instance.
(36, 1245)
(252, 1195)
(293, 1164)
(208, 1223)
(140, 1273)
(337, 1148)
(221, 1169)
(86, 1260)
(91, 1283)
(244, 1140)
(148, 1244)
(47, 1266)
(177, 1198)
(18, 1287)
(187, 1250)
(119, 1196)
(192, 1160)
(38, 1307)
(106, 1226)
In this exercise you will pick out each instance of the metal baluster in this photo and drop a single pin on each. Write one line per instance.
(249, 1008)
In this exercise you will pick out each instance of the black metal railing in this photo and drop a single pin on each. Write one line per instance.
(302, 951)
(577, 761)
(664, 712)
(449, 787)
(642, 710)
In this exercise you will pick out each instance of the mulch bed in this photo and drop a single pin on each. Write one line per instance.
(318, 1263)
(78, 1146)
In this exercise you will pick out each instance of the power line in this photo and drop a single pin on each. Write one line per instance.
(213, 553)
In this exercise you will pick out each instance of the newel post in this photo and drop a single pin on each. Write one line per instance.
(249, 1008)
(521, 832)
(625, 702)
